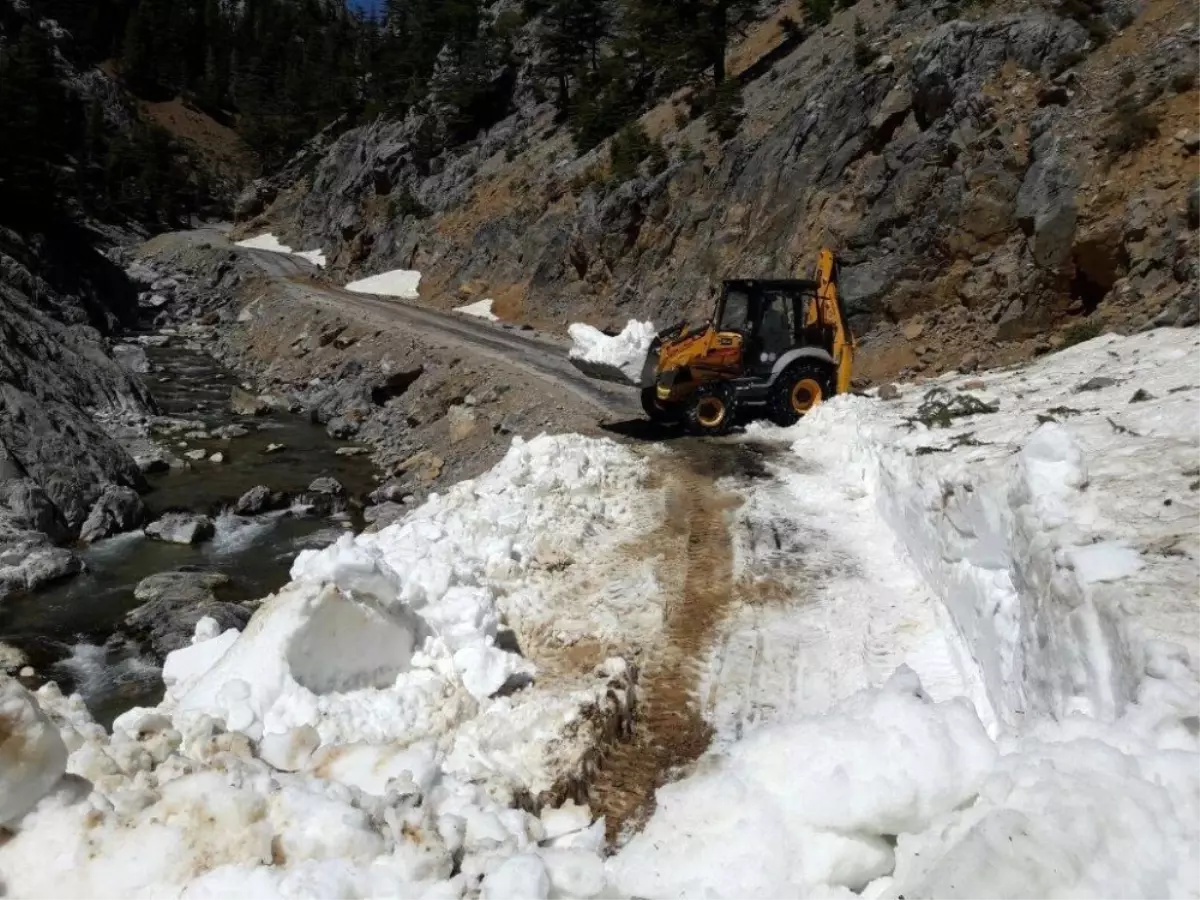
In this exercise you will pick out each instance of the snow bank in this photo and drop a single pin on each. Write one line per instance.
(1059, 530)
(402, 283)
(272, 244)
(619, 358)
(348, 743)
(808, 804)
(480, 309)
(33, 754)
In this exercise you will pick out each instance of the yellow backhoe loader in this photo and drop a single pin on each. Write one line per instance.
(773, 346)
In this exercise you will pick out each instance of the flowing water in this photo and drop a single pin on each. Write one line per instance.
(66, 629)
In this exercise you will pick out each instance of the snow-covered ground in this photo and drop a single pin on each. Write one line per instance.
(958, 658)
(481, 309)
(617, 358)
(271, 243)
(403, 283)
(1039, 556)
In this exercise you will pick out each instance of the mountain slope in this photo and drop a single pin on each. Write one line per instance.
(985, 179)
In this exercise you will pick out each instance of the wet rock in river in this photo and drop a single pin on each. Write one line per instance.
(327, 485)
(172, 604)
(119, 509)
(258, 499)
(244, 403)
(182, 528)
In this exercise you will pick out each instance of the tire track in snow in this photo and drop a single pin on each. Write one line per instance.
(696, 568)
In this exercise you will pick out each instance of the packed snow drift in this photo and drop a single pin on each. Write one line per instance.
(271, 243)
(481, 309)
(959, 659)
(402, 283)
(620, 358)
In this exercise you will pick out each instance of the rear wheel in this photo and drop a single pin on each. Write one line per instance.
(798, 390)
(658, 412)
(711, 409)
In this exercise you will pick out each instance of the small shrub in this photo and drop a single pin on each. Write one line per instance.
(1128, 77)
(1080, 332)
(859, 29)
(864, 53)
(406, 204)
(725, 112)
(592, 176)
(1133, 126)
(1182, 82)
(631, 146)
(685, 150)
(819, 12)
(791, 28)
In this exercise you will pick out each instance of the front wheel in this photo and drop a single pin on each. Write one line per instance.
(798, 390)
(711, 410)
(656, 411)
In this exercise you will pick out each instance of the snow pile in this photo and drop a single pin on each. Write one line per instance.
(272, 244)
(619, 358)
(403, 283)
(33, 754)
(481, 309)
(348, 743)
(810, 804)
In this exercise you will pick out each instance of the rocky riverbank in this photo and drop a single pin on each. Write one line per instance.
(428, 413)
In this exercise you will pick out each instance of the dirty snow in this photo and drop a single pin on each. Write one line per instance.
(619, 358)
(272, 244)
(481, 309)
(403, 283)
(962, 663)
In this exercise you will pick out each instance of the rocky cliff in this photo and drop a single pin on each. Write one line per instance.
(998, 178)
(58, 466)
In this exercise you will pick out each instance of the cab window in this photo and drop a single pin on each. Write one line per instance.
(734, 311)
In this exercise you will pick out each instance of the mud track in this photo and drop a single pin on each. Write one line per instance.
(696, 550)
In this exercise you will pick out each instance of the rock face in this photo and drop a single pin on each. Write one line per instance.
(56, 461)
(969, 177)
(172, 604)
(181, 528)
(118, 509)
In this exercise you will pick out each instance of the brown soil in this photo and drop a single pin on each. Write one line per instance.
(669, 732)
(220, 146)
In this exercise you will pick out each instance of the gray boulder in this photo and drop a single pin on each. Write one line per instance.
(182, 528)
(327, 485)
(1046, 209)
(257, 500)
(132, 358)
(244, 403)
(383, 515)
(119, 509)
(172, 604)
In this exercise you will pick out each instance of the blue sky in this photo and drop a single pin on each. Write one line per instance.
(367, 5)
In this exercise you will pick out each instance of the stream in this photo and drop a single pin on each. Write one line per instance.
(66, 629)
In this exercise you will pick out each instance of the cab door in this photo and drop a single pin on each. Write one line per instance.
(775, 331)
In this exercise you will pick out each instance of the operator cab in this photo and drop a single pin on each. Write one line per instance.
(770, 315)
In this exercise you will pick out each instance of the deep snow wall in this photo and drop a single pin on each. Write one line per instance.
(1059, 530)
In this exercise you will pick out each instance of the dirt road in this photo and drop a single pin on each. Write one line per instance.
(539, 355)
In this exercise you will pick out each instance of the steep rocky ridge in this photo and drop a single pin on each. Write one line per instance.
(994, 177)
(56, 378)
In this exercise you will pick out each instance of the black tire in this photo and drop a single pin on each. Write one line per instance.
(659, 413)
(711, 410)
(801, 387)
